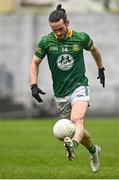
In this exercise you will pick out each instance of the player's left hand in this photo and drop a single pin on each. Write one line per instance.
(35, 92)
(101, 76)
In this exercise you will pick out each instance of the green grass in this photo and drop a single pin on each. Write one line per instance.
(28, 150)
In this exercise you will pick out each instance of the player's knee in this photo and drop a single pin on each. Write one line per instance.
(77, 118)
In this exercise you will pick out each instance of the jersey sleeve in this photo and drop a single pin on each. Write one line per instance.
(41, 49)
(88, 42)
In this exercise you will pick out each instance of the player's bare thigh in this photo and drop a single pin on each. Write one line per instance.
(78, 111)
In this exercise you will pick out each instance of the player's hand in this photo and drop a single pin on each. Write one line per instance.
(35, 92)
(101, 76)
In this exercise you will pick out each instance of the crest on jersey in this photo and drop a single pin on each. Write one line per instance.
(75, 47)
(65, 62)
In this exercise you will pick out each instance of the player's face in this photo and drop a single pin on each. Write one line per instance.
(60, 28)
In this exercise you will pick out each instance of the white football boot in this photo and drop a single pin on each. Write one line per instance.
(95, 161)
(68, 143)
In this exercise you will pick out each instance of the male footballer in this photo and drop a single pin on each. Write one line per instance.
(64, 49)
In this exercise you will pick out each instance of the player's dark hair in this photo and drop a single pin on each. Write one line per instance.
(58, 14)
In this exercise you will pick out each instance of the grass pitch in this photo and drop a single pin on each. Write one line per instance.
(28, 150)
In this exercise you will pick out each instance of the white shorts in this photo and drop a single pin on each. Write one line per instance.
(64, 104)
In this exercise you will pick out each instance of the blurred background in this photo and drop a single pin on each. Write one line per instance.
(23, 22)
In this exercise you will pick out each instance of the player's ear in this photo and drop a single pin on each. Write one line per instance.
(67, 22)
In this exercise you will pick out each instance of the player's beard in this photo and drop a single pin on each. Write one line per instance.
(63, 36)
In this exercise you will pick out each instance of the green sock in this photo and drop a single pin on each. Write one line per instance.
(92, 149)
(75, 144)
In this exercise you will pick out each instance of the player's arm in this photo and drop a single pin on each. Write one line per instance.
(97, 57)
(34, 71)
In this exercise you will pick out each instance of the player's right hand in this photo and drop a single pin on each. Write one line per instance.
(35, 92)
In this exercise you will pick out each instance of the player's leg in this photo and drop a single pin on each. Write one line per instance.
(77, 116)
(87, 142)
(82, 135)
(79, 102)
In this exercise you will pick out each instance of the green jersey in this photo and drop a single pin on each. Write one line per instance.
(66, 60)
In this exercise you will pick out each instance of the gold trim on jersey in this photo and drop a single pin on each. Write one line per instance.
(69, 34)
(39, 50)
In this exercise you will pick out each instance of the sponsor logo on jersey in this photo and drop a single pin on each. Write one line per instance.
(53, 48)
(65, 62)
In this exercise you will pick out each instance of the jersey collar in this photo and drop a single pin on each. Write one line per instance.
(69, 34)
